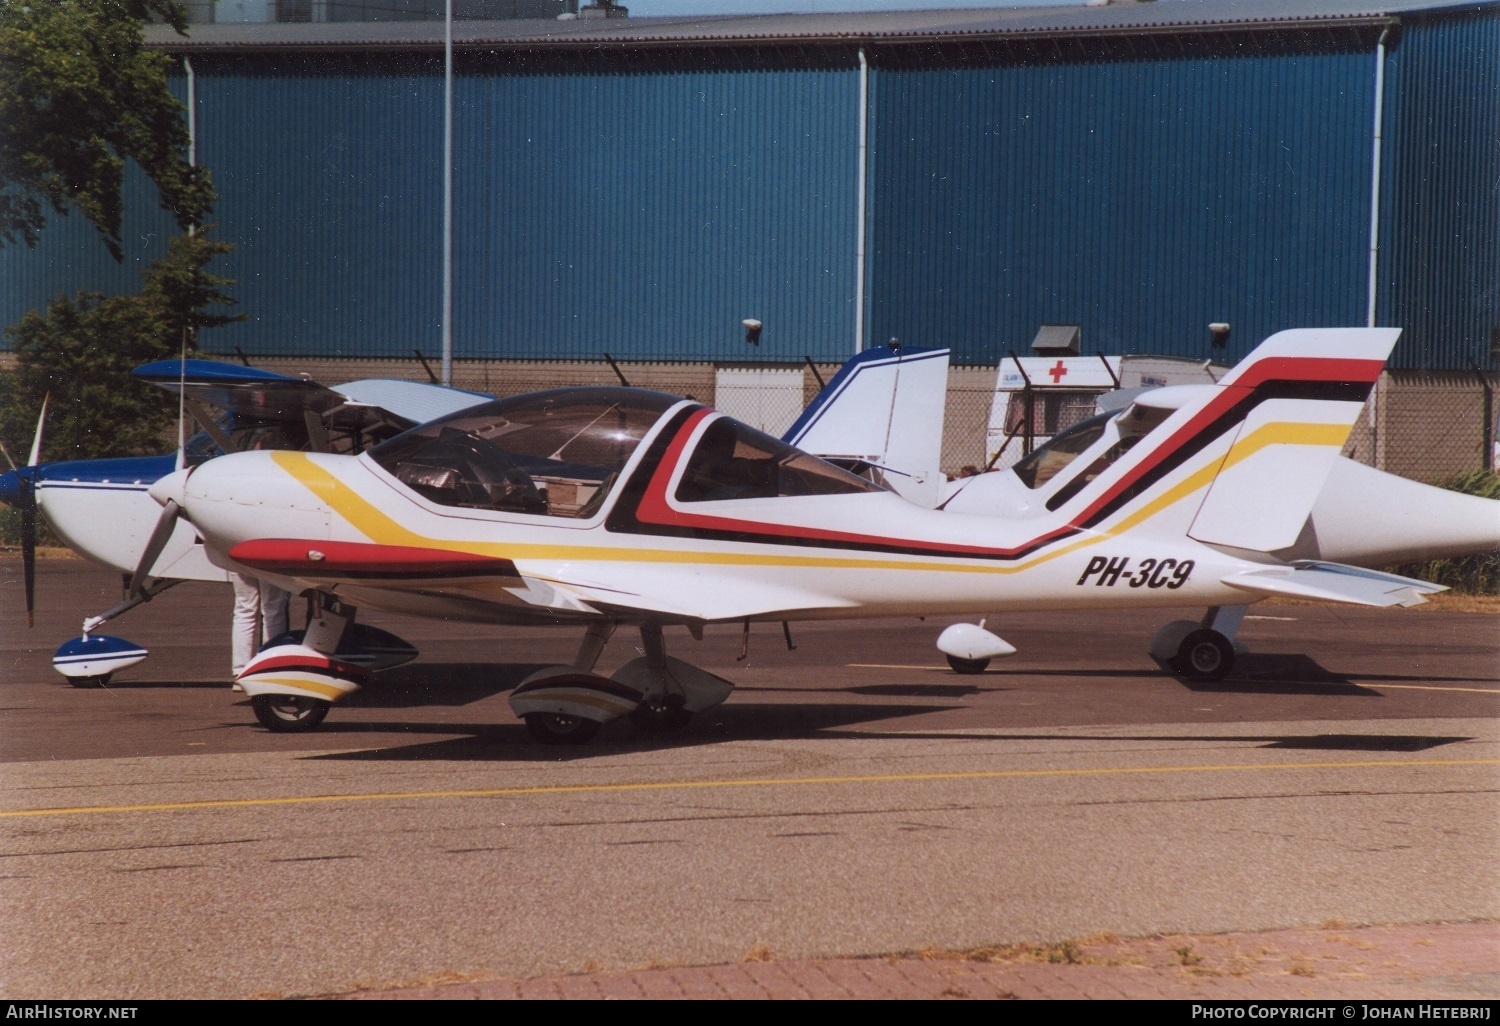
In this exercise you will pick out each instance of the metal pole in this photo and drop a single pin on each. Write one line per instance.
(1375, 174)
(448, 192)
(859, 245)
(1371, 407)
(192, 112)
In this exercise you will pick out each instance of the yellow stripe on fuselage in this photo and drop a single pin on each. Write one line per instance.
(1282, 433)
(380, 527)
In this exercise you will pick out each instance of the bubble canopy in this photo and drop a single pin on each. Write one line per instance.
(560, 453)
(554, 453)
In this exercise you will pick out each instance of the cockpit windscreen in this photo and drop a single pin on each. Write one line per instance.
(735, 461)
(554, 453)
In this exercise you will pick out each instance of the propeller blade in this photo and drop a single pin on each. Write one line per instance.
(165, 525)
(28, 545)
(36, 441)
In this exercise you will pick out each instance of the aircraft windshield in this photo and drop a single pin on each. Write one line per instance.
(1129, 427)
(733, 461)
(244, 434)
(554, 453)
(1044, 462)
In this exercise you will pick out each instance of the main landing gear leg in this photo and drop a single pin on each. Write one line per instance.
(292, 686)
(566, 705)
(593, 644)
(1202, 650)
(662, 711)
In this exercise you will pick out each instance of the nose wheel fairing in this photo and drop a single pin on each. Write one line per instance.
(300, 671)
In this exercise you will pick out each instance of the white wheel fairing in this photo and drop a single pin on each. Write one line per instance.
(300, 671)
(565, 691)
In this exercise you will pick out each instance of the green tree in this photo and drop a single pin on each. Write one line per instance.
(82, 351)
(79, 96)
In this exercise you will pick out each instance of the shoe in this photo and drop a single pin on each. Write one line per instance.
(236, 687)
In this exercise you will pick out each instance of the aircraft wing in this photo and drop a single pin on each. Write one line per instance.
(245, 391)
(694, 595)
(589, 590)
(1334, 582)
(249, 392)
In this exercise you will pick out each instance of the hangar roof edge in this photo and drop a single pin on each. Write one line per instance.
(1156, 17)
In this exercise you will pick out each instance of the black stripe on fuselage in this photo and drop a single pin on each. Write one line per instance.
(623, 519)
(1229, 420)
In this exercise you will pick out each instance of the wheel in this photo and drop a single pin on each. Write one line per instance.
(660, 719)
(560, 728)
(967, 665)
(1204, 655)
(96, 681)
(289, 714)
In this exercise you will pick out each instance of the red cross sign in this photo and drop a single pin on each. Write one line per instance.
(1057, 372)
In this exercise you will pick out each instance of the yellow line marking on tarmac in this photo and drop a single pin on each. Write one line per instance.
(1252, 680)
(684, 785)
(1433, 687)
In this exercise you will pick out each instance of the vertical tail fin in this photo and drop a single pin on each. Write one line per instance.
(1305, 390)
(1241, 463)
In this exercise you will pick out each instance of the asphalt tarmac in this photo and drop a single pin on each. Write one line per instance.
(853, 799)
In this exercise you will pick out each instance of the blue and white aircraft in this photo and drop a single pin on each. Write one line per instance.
(100, 508)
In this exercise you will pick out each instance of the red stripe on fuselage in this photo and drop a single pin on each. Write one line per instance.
(655, 509)
(294, 556)
(1277, 368)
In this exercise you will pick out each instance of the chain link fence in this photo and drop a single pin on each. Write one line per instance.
(1433, 426)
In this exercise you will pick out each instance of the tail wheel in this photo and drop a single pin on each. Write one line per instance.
(1204, 655)
(289, 714)
(561, 728)
(967, 666)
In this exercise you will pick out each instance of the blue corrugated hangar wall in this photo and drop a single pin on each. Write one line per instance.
(1145, 189)
(642, 202)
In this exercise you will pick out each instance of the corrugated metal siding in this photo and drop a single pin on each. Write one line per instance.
(1440, 248)
(645, 213)
(71, 256)
(641, 212)
(1139, 199)
(330, 187)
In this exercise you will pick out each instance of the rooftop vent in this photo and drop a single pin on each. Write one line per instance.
(1056, 340)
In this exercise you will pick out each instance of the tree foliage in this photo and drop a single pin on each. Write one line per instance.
(79, 96)
(82, 351)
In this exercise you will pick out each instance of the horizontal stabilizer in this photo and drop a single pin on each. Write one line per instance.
(1335, 582)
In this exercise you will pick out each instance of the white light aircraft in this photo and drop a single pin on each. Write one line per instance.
(602, 507)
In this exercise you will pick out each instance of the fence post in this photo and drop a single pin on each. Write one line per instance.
(1486, 419)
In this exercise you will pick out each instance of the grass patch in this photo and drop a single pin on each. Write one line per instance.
(1466, 575)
